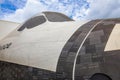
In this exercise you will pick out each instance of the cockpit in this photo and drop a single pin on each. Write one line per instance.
(42, 18)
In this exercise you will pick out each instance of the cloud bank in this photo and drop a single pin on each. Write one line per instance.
(69, 7)
(103, 9)
(76, 9)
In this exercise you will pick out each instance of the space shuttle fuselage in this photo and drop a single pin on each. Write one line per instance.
(51, 46)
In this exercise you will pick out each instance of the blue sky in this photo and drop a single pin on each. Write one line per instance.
(9, 6)
(20, 10)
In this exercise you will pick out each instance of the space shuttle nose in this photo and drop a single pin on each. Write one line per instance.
(52, 46)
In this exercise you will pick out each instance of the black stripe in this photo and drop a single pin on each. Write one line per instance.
(67, 56)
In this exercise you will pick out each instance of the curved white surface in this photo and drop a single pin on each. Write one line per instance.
(6, 28)
(40, 46)
(114, 39)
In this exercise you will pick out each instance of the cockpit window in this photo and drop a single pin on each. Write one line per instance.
(50, 16)
(57, 17)
(35, 21)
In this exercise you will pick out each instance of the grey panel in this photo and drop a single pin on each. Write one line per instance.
(92, 58)
(98, 60)
(11, 71)
(56, 17)
(33, 22)
(67, 57)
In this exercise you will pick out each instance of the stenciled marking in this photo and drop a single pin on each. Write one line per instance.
(5, 46)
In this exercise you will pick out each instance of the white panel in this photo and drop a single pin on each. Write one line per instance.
(6, 27)
(114, 39)
(40, 46)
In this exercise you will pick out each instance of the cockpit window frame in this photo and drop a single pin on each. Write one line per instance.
(56, 17)
(27, 24)
(47, 16)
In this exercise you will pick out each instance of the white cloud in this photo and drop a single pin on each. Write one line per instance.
(33, 7)
(103, 9)
(1, 1)
(75, 9)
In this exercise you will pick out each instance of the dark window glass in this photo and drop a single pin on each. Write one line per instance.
(56, 17)
(100, 76)
(33, 22)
